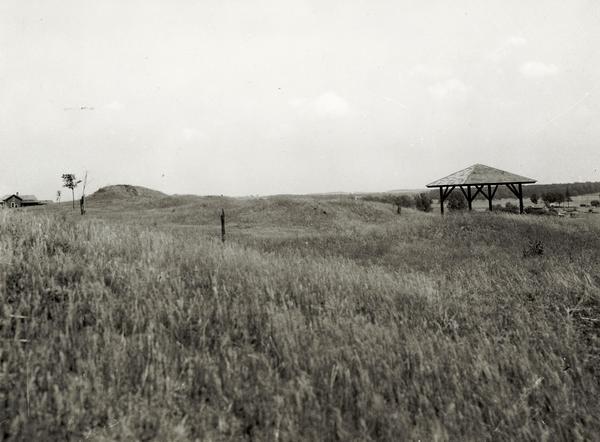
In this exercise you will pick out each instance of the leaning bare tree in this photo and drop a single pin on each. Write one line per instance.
(82, 201)
(70, 181)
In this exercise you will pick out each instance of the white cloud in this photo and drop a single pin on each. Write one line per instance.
(451, 88)
(326, 105)
(538, 69)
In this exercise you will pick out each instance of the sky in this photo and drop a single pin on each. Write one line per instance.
(247, 97)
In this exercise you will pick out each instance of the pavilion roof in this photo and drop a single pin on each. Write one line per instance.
(480, 174)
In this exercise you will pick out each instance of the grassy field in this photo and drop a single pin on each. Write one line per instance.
(319, 319)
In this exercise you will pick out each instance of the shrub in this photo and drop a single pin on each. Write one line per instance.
(510, 207)
(553, 197)
(533, 248)
(404, 201)
(423, 202)
(457, 201)
(595, 203)
(535, 210)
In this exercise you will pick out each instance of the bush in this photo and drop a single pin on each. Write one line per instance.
(533, 248)
(553, 197)
(595, 203)
(404, 201)
(510, 207)
(457, 201)
(535, 210)
(423, 202)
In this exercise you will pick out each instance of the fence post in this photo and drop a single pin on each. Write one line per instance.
(222, 225)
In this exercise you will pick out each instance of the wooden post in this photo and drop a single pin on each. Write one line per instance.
(82, 204)
(520, 198)
(222, 225)
(489, 186)
(469, 197)
(441, 200)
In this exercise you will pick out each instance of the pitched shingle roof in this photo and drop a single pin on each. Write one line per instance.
(22, 197)
(480, 174)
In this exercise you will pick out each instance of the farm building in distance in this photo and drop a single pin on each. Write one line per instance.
(15, 200)
(485, 180)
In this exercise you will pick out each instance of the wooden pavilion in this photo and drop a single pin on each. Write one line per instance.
(484, 180)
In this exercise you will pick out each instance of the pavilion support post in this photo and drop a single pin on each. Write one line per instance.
(469, 197)
(489, 195)
(520, 198)
(441, 200)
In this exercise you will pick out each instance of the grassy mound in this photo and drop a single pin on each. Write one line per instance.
(125, 192)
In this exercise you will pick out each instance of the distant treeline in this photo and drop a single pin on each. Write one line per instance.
(573, 189)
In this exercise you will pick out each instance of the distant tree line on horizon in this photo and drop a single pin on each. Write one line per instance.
(567, 190)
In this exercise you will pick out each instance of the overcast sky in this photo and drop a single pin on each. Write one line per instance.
(273, 96)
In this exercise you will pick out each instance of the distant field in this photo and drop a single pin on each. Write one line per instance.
(324, 318)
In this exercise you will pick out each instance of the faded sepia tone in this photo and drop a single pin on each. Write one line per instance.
(299, 220)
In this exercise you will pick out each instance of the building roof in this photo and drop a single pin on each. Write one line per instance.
(480, 174)
(21, 197)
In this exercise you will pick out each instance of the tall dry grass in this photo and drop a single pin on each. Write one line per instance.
(417, 327)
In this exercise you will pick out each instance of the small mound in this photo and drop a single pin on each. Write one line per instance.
(126, 191)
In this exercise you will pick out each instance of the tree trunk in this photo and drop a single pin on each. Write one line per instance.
(73, 193)
(222, 225)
